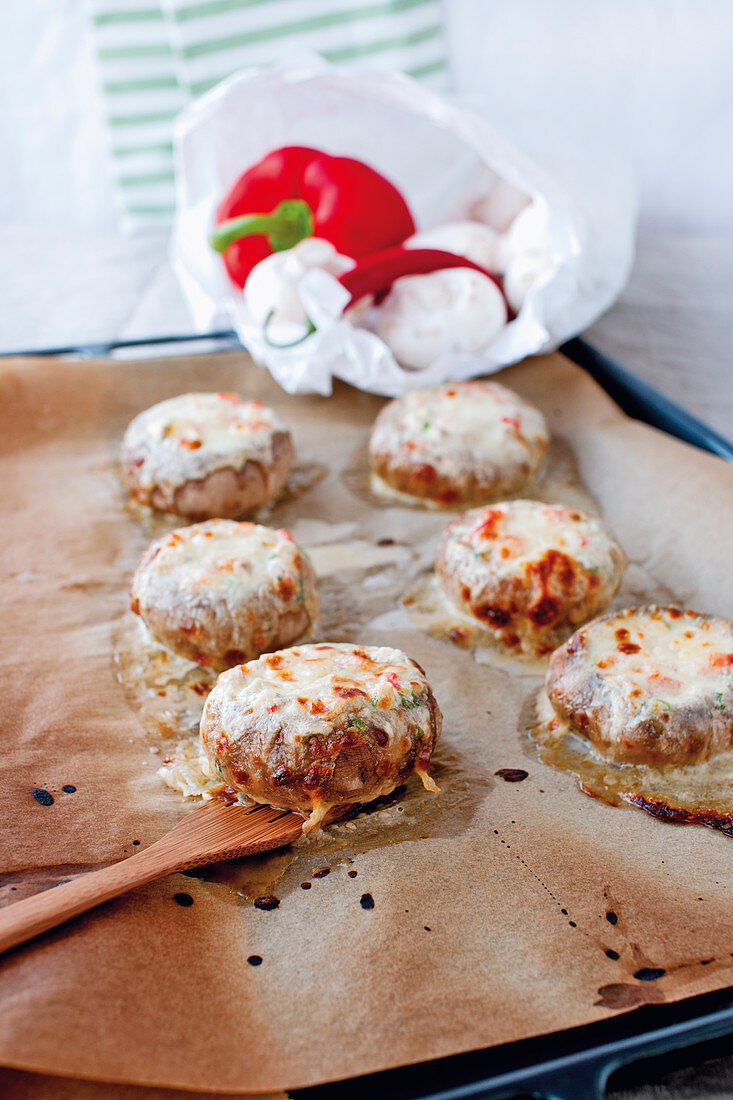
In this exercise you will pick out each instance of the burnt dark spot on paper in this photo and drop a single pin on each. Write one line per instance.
(267, 902)
(366, 901)
(353, 874)
(611, 917)
(306, 885)
(512, 775)
(427, 928)
(135, 843)
(611, 954)
(649, 973)
(68, 788)
(658, 807)
(254, 960)
(621, 995)
(44, 797)
(183, 899)
(321, 872)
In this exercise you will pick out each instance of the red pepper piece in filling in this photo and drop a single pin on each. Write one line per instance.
(297, 192)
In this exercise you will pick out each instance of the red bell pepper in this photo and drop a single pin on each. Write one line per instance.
(296, 192)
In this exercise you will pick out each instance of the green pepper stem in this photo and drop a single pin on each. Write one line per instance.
(290, 222)
(310, 329)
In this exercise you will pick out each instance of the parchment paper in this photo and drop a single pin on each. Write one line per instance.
(493, 905)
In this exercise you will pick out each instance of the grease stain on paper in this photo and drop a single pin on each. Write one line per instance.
(557, 482)
(621, 995)
(683, 794)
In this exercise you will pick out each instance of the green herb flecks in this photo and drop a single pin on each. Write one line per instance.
(359, 723)
(657, 704)
(719, 704)
(409, 702)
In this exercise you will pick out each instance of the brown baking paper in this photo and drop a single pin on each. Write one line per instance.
(494, 903)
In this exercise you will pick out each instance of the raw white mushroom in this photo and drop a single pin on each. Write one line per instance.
(520, 275)
(426, 316)
(272, 289)
(500, 206)
(474, 240)
(525, 253)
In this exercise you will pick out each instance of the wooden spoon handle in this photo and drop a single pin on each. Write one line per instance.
(30, 917)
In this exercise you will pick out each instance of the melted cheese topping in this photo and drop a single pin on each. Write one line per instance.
(223, 560)
(307, 689)
(530, 571)
(223, 557)
(662, 658)
(187, 437)
(650, 685)
(187, 770)
(462, 426)
(275, 705)
(509, 536)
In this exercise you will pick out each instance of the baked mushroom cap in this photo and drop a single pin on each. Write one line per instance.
(205, 455)
(651, 685)
(459, 443)
(221, 592)
(531, 572)
(319, 726)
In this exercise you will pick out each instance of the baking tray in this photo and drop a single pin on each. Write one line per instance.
(578, 1062)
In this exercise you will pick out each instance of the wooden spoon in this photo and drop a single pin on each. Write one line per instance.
(215, 831)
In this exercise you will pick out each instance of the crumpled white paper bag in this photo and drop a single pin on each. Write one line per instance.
(448, 162)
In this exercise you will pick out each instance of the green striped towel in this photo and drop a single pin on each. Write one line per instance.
(157, 55)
